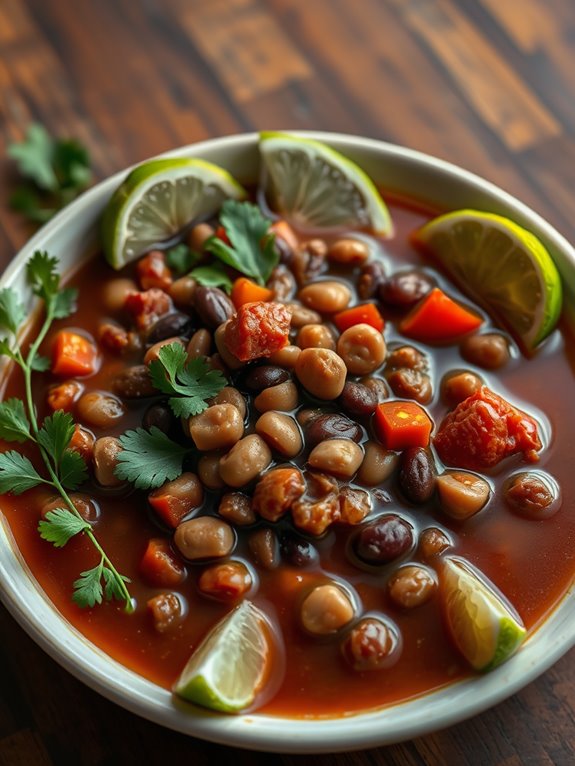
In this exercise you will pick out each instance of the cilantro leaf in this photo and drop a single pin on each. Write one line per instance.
(88, 587)
(149, 458)
(42, 275)
(12, 312)
(212, 276)
(190, 384)
(40, 363)
(27, 201)
(180, 259)
(252, 248)
(60, 525)
(71, 163)
(73, 471)
(14, 425)
(5, 349)
(17, 474)
(112, 584)
(65, 302)
(56, 433)
(34, 157)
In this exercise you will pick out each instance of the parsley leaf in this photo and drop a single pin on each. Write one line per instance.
(17, 474)
(59, 526)
(149, 458)
(40, 363)
(111, 584)
(88, 587)
(12, 312)
(56, 433)
(65, 302)
(212, 276)
(14, 425)
(73, 471)
(252, 248)
(180, 259)
(190, 384)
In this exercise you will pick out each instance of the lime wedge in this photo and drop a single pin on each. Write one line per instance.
(157, 200)
(502, 266)
(313, 185)
(485, 627)
(232, 664)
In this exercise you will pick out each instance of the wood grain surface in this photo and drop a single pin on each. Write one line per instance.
(487, 84)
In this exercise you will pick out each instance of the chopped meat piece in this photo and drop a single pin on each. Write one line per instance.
(166, 611)
(146, 307)
(153, 271)
(276, 491)
(483, 429)
(113, 338)
(321, 506)
(257, 330)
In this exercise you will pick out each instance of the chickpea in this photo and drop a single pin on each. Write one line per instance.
(204, 537)
(322, 372)
(246, 460)
(462, 494)
(153, 352)
(231, 395)
(286, 356)
(339, 457)
(200, 344)
(225, 582)
(265, 549)
(411, 586)
(315, 336)
(100, 410)
(280, 432)
(199, 235)
(326, 297)
(115, 292)
(209, 470)
(300, 315)
(236, 508)
(283, 397)
(362, 349)
(218, 427)
(106, 451)
(326, 610)
(349, 252)
(371, 645)
(378, 464)
(457, 386)
(490, 351)
(182, 290)
(228, 358)
(432, 542)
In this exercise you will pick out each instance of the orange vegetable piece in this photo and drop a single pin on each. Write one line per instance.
(64, 395)
(400, 425)
(437, 317)
(73, 355)
(160, 566)
(284, 231)
(366, 313)
(246, 291)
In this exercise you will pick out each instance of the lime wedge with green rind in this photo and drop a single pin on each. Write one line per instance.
(157, 200)
(502, 266)
(483, 624)
(312, 185)
(232, 664)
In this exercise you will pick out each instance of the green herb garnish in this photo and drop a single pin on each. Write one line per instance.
(214, 275)
(149, 458)
(180, 259)
(65, 468)
(55, 172)
(251, 250)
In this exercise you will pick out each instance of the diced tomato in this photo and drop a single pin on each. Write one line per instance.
(160, 565)
(73, 355)
(400, 424)
(83, 441)
(437, 317)
(366, 313)
(153, 271)
(221, 234)
(246, 291)
(257, 330)
(64, 395)
(147, 307)
(175, 499)
(483, 429)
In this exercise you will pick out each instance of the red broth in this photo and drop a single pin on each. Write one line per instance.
(532, 562)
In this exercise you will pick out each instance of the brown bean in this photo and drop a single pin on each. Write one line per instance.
(225, 582)
(170, 326)
(326, 297)
(297, 551)
(237, 509)
(231, 395)
(280, 432)
(456, 386)
(283, 398)
(228, 358)
(326, 610)
(315, 336)
(204, 537)
(308, 260)
(134, 383)
(276, 492)
(349, 252)
(218, 427)
(264, 547)
(200, 344)
(378, 464)
(405, 288)
(532, 494)
(322, 372)
(300, 315)
(358, 399)
(166, 611)
(282, 283)
(100, 410)
(264, 376)
(411, 586)
(306, 415)
(462, 494)
(377, 385)
(332, 426)
(86, 506)
(371, 645)
(114, 293)
(417, 474)
(408, 357)
(362, 349)
(490, 351)
(383, 540)
(339, 457)
(160, 416)
(199, 235)
(246, 460)
(371, 277)
(286, 356)
(433, 542)
(153, 353)
(209, 470)
(182, 291)
(213, 306)
(106, 451)
(411, 384)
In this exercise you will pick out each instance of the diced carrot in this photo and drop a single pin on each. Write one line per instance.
(284, 231)
(437, 317)
(175, 499)
(160, 566)
(64, 395)
(246, 291)
(73, 355)
(366, 313)
(400, 425)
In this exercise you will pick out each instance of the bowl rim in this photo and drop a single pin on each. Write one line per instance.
(415, 717)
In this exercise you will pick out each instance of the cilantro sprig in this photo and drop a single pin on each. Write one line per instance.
(251, 250)
(65, 469)
(55, 171)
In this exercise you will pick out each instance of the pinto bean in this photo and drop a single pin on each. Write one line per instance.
(264, 547)
(417, 474)
(411, 586)
(283, 397)
(226, 582)
(300, 315)
(237, 509)
(456, 386)
(362, 349)
(462, 494)
(204, 537)
(199, 235)
(134, 383)
(115, 292)
(326, 297)
(378, 464)
(286, 356)
(432, 542)
(153, 352)
(99, 409)
(209, 470)
(411, 384)
(231, 395)
(327, 609)
(358, 399)
(322, 372)
(106, 451)
(218, 427)
(348, 252)
(340, 457)
(490, 350)
(200, 344)
(280, 432)
(246, 460)
(264, 376)
(182, 291)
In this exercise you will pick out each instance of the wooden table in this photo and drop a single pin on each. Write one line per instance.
(487, 84)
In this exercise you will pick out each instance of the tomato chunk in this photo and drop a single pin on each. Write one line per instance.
(367, 313)
(258, 329)
(483, 429)
(148, 306)
(437, 317)
(246, 291)
(153, 271)
(73, 355)
(400, 425)
(160, 565)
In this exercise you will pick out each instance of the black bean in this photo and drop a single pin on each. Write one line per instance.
(358, 399)
(371, 277)
(134, 383)
(404, 288)
(417, 474)
(383, 540)
(264, 376)
(170, 326)
(213, 306)
(332, 426)
(160, 416)
(297, 551)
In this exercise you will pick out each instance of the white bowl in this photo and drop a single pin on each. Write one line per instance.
(68, 236)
